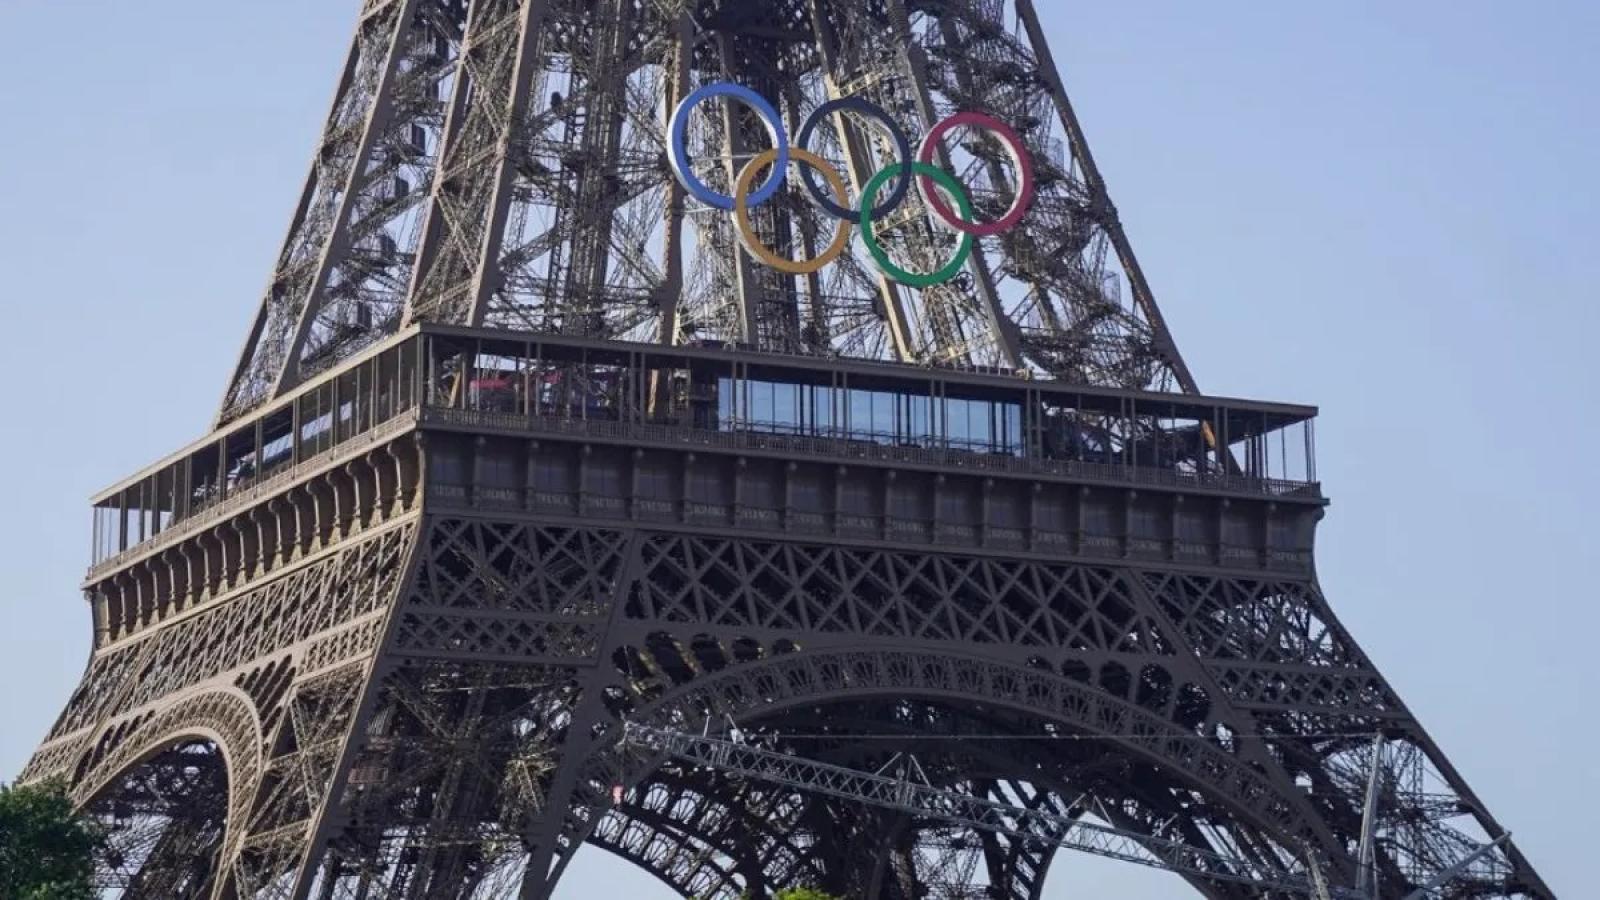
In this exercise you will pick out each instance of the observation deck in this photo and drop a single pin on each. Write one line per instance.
(713, 438)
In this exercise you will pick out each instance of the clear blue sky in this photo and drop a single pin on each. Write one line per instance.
(1387, 209)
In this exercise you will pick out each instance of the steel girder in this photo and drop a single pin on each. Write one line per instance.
(502, 162)
(431, 709)
(417, 701)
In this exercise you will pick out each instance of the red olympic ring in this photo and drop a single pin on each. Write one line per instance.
(1019, 158)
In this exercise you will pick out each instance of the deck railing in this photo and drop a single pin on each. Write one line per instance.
(241, 496)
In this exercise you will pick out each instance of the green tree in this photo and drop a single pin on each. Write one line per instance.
(46, 849)
(804, 893)
(797, 893)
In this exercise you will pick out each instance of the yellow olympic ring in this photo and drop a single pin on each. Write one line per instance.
(747, 232)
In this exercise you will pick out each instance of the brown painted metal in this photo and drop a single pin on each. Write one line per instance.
(375, 637)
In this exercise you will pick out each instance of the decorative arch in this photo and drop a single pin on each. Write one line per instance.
(769, 688)
(223, 718)
(706, 839)
(700, 838)
(772, 686)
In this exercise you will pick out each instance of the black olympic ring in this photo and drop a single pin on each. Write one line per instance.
(902, 144)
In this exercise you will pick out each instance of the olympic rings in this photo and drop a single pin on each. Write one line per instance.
(747, 231)
(932, 182)
(901, 143)
(678, 144)
(1019, 158)
(916, 279)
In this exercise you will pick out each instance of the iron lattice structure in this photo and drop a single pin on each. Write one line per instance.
(521, 447)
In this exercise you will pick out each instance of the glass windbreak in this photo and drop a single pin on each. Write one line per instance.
(916, 409)
(892, 418)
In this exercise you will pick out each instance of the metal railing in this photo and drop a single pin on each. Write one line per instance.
(241, 496)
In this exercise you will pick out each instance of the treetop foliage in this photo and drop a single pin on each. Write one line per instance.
(46, 849)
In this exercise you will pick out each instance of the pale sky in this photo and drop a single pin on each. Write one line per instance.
(1386, 209)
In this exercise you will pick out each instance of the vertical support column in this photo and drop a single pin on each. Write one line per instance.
(613, 22)
(1003, 329)
(741, 480)
(752, 294)
(118, 620)
(282, 515)
(122, 522)
(458, 261)
(139, 616)
(160, 586)
(1129, 500)
(479, 452)
(1079, 520)
(412, 466)
(194, 573)
(986, 512)
(858, 161)
(789, 468)
(685, 490)
(1032, 540)
(530, 476)
(385, 483)
(302, 507)
(239, 545)
(176, 580)
(100, 606)
(1220, 550)
(585, 453)
(670, 294)
(343, 493)
(217, 577)
(815, 340)
(1174, 520)
(360, 496)
(249, 529)
(631, 501)
(323, 501)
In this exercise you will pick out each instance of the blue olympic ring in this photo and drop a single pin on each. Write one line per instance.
(678, 146)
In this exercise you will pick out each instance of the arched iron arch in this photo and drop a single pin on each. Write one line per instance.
(224, 719)
(770, 687)
(699, 859)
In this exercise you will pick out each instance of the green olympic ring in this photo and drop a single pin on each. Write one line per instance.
(869, 236)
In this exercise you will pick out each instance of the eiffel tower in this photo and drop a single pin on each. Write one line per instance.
(527, 444)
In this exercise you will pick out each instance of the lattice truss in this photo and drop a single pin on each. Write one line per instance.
(436, 713)
(502, 162)
(208, 746)
(433, 709)
(343, 276)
